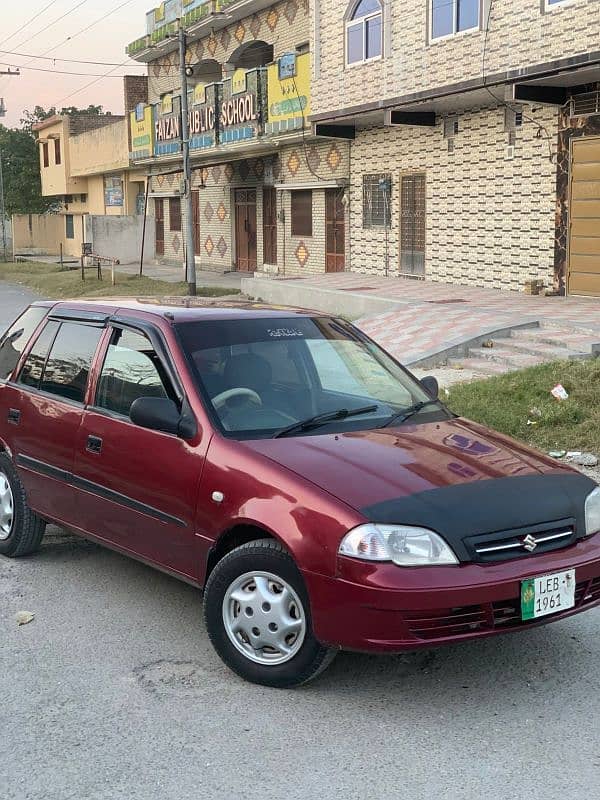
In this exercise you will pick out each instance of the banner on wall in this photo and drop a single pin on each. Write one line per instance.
(142, 132)
(288, 81)
(113, 191)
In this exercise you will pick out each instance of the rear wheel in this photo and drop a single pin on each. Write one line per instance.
(21, 530)
(257, 615)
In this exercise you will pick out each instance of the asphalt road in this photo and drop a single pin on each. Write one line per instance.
(114, 693)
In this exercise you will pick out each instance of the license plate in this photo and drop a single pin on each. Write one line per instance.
(548, 594)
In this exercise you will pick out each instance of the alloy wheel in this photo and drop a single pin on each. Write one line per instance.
(7, 507)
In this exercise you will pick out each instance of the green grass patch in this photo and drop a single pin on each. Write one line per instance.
(53, 282)
(506, 402)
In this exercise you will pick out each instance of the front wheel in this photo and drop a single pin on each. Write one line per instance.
(257, 616)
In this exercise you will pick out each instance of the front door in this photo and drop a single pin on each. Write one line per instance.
(270, 225)
(137, 488)
(335, 231)
(159, 220)
(412, 224)
(245, 229)
(196, 221)
(584, 219)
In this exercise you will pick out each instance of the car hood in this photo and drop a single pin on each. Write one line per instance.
(454, 476)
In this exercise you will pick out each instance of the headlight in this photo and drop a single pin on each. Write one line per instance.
(592, 512)
(402, 544)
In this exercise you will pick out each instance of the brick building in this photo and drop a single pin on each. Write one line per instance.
(267, 193)
(474, 134)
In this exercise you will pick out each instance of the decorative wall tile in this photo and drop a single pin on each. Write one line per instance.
(160, 179)
(272, 19)
(334, 157)
(208, 212)
(221, 211)
(209, 245)
(225, 39)
(302, 254)
(243, 170)
(255, 25)
(259, 167)
(222, 247)
(211, 44)
(240, 32)
(290, 11)
(229, 172)
(216, 173)
(293, 163)
(176, 243)
(313, 157)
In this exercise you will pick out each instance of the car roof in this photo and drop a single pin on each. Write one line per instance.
(182, 309)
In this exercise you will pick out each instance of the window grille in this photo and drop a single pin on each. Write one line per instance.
(377, 191)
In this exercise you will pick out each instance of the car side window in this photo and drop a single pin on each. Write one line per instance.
(14, 341)
(68, 367)
(31, 372)
(131, 370)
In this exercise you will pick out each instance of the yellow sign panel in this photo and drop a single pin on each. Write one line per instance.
(238, 81)
(166, 104)
(199, 93)
(142, 131)
(289, 94)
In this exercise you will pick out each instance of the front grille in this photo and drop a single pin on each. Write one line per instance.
(500, 615)
(522, 542)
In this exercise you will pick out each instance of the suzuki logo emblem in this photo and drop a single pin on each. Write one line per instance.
(529, 543)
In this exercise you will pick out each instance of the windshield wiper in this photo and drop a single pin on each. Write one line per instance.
(322, 419)
(402, 416)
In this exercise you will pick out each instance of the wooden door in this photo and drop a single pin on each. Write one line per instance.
(196, 221)
(335, 231)
(412, 224)
(159, 218)
(269, 225)
(584, 218)
(245, 229)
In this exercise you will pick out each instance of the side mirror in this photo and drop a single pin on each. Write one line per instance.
(431, 386)
(156, 413)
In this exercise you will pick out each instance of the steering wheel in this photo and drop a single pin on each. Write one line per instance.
(221, 399)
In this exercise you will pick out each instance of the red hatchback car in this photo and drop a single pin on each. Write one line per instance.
(323, 497)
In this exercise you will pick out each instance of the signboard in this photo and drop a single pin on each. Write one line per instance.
(202, 116)
(167, 126)
(142, 132)
(113, 191)
(289, 93)
(239, 113)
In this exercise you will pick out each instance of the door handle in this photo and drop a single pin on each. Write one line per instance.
(94, 444)
(14, 416)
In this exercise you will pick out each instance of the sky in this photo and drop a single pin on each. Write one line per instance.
(104, 42)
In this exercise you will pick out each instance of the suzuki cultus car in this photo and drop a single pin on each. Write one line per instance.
(321, 496)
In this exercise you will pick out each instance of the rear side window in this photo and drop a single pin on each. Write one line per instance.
(131, 370)
(31, 374)
(68, 366)
(13, 342)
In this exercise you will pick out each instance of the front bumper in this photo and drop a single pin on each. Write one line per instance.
(385, 608)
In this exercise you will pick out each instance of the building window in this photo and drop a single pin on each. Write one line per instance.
(551, 3)
(377, 201)
(69, 226)
(45, 154)
(57, 159)
(364, 32)
(449, 17)
(174, 213)
(302, 212)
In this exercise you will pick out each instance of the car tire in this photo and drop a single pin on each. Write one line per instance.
(21, 530)
(257, 615)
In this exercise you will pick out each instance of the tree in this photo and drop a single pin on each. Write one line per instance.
(21, 168)
(39, 114)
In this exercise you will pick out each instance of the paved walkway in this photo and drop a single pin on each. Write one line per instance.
(417, 320)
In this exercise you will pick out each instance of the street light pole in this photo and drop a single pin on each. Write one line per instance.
(2, 210)
(190, 263)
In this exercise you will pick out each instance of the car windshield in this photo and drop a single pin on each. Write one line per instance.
(278, 376)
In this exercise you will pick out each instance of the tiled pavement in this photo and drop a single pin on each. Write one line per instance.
(429, 318)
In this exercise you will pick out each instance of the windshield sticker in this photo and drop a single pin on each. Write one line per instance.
(285, 333)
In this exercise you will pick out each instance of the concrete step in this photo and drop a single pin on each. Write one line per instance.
(544, 350)
(504, 355)
(580, 341)
(481, 366)
(570, 326)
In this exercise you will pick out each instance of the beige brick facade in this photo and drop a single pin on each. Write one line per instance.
(489, 218)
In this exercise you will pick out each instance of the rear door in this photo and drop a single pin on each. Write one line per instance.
(137, 488)
(46, 408)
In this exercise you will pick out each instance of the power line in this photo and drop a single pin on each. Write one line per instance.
(54, 22)
(65, 60)
(65, 72)
(29, 21)
(91, 83)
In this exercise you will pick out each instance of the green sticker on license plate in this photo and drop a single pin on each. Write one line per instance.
(547, 594)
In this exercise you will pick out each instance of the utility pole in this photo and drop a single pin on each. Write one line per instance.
(11, 74)
(2, 210)
(190, 263)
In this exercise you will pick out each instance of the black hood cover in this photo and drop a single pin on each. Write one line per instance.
(491, 506)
